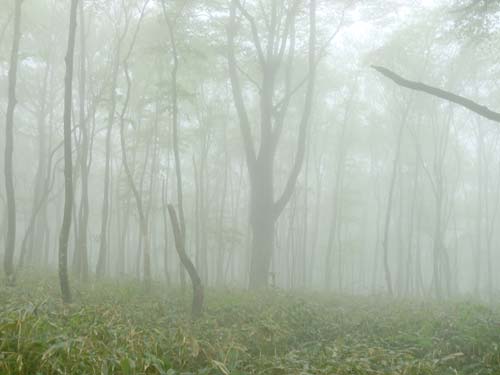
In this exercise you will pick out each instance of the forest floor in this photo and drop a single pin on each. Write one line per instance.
(118, 328)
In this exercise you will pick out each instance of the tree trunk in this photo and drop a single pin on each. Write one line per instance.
(180, 230)
(10, 239)
(103, 244)
(264, 210)
(81, 246)
(388, 211)
(143, 225)
(164, 198)
(262, 223)
(68, 163)
(221, 250)
(197, 305)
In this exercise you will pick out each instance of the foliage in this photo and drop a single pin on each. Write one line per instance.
(116, 328)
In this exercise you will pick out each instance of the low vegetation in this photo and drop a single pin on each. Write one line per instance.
(117, 328)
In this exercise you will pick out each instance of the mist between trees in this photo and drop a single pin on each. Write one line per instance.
(250, 144)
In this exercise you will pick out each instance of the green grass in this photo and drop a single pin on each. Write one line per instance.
(118, 328)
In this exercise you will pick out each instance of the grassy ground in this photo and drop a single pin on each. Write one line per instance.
(120, 329)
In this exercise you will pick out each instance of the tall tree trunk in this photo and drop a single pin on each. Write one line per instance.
(315, 225)
(180, 231)
(103, 244)
(68, 163)
(388, 211)
(220, 221)
(164, 199)
(339, 168)
(264, 210)
(478, 249)
(143, 224)
(10, 239)
(41, 175)
(82, 246)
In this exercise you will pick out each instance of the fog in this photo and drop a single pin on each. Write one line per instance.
(286, 159)
(249, 187)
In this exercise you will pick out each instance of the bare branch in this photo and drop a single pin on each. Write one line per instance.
(280, 204)
(443, 94)
(255, 32)
(237, 92)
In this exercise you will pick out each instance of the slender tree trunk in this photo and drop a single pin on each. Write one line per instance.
(336, 201)
(197, 305)
(68, 163)
(197, 216)
(478, 248)
(305, 218)
(82, 246)
(164, 198)
(315, 225)
(220, 222)
(41, 176)
(123, 237)
(103, 244)
(180, 230)
(10, 239)
(438, 243)
(143, 225)
(388, 211)
(409, 287)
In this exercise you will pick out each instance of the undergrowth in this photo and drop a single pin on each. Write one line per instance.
(118, 328)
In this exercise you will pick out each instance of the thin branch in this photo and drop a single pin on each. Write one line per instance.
(255, 32)
(237, 92)
(321, 55)
(280, 204)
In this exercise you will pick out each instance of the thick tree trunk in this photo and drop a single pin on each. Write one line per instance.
(262, 222)
(264, 210)
(68, 163)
